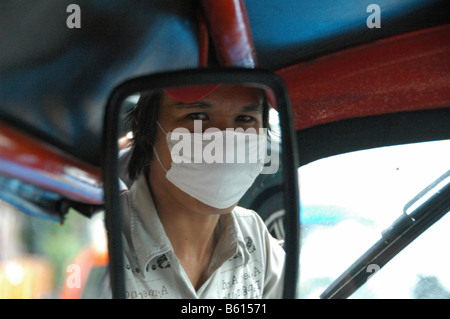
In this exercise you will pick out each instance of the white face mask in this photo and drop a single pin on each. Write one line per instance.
(215, 167)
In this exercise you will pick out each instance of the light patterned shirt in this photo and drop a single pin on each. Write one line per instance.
(247, 261)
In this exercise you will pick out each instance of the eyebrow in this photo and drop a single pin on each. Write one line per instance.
(252, 108)
(203, 105)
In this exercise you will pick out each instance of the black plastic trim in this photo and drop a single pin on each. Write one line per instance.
(371, 132)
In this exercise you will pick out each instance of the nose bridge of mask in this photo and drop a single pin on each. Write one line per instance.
(216, 146)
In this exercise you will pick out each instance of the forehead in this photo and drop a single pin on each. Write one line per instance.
(235, 96)
(237, 93)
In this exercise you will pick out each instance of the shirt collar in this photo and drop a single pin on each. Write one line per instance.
(230, 242)
(147, 232)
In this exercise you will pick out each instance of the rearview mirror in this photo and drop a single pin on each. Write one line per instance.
(161, 130)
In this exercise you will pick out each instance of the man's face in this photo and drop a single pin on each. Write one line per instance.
(227, 107)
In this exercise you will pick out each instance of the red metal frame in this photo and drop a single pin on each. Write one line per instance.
(403, 73)
(203, 40)
(26, 158)
(230, 31)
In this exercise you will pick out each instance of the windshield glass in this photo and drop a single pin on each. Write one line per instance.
(348, 200)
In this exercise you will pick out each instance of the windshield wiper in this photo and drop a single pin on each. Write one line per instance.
(419, 214)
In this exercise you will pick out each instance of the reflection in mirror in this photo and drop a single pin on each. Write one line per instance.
(195, 163)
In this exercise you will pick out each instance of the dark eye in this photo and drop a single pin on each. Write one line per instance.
(197, 116)
(245, 119)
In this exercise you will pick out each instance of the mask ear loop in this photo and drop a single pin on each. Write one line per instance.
(159, 160)
(160, 126)
(154, 149)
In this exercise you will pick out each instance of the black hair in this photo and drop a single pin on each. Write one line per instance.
(142, 120)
